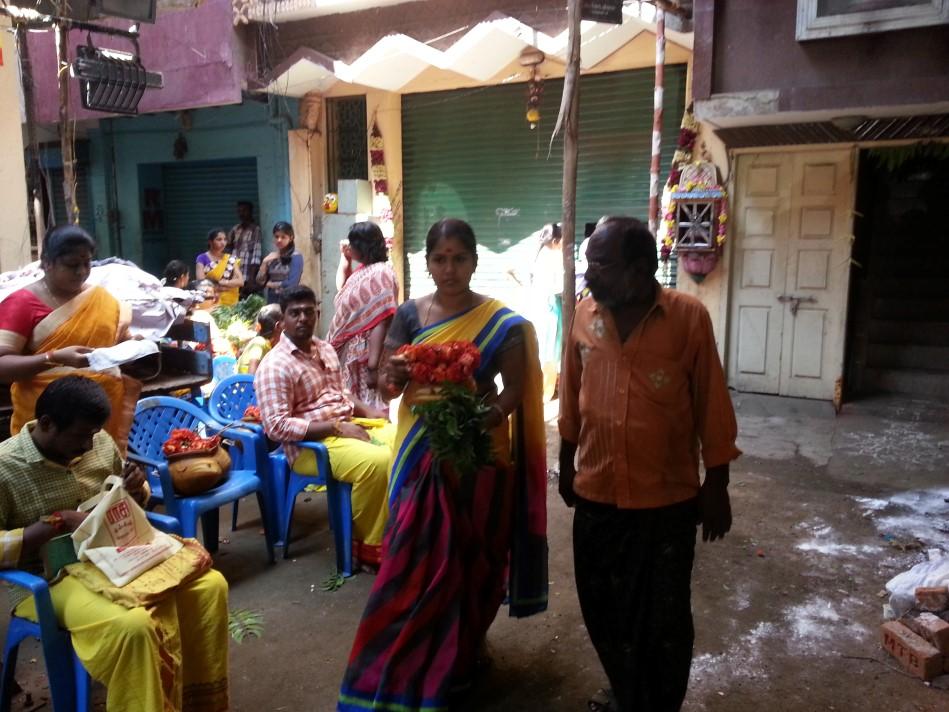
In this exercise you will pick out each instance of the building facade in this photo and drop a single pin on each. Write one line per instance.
(150, 187)
(830, 123)
(447, 86)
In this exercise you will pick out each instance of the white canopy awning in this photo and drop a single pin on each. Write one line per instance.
(479, 53)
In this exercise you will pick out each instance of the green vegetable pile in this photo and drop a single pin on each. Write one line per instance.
(244, 311)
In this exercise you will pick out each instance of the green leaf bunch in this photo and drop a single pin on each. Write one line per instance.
(243, 623)
(455, 426)
(245, 310)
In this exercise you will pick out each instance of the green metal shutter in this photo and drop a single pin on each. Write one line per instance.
(470, 154)
(202, 195)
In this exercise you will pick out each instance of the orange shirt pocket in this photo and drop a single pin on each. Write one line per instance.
(661, 381)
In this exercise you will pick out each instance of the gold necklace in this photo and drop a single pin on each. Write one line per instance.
(432, 302)
(56, 300)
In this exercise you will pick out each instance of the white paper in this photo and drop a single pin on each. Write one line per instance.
(127, 351)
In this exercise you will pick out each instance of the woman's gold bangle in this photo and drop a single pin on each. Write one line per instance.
(336, 429)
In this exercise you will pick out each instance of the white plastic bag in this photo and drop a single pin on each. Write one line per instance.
(117, 536)
(902, 587)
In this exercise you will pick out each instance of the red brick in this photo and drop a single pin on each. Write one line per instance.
(932, 598)
(915, 654)
(930, 627)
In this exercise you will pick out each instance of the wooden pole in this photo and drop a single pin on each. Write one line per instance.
(570, 156)
(67, 130)
(657, 120)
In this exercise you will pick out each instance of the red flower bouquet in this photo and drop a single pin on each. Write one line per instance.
(435, 364)
(443, 394)
(182, 440)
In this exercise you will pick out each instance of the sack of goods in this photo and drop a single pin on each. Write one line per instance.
(196, 463)
(117, 536)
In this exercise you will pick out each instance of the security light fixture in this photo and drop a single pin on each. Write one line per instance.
(110, 80)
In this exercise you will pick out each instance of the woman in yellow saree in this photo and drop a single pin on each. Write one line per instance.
(222, 268)
(453, 549)
(48, 327)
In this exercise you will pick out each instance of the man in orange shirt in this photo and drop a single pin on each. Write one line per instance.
(642, 396)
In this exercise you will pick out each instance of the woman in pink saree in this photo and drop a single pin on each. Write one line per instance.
(364, 307)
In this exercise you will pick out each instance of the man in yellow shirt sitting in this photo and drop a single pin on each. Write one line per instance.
(169, 657)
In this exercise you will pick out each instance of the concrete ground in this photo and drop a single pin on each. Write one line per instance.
(787, 608)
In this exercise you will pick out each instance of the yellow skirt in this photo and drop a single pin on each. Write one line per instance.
(365, 465)
(165, 658)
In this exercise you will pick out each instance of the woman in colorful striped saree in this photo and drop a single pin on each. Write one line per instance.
(453, 550)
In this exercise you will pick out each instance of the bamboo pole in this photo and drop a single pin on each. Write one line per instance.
(67, 130)
(571, 102)
(657, 120)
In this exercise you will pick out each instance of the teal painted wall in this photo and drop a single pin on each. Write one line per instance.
(249, 130)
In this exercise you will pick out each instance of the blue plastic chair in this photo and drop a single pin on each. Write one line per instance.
(227, 403)
(230, 399)
(222, 367)
(69, 683)
(154, 420)
(339, 501)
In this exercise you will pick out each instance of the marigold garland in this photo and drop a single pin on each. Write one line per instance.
(382, 206)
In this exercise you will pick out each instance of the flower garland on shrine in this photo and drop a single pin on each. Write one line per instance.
(381, 205)
(683, 157)
(670, 226)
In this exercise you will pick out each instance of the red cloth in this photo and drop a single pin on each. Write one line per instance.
(21, 312)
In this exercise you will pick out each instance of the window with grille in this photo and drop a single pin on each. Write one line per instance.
(347, 154)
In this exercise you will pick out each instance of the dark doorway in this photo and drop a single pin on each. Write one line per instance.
(898, 336)
(181, 201)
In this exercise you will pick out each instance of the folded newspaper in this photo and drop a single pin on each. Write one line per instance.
(125, 352)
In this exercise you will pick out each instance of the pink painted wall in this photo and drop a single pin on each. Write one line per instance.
(197, 50)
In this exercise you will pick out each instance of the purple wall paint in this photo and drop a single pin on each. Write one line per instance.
(197, 50)
(752, 48)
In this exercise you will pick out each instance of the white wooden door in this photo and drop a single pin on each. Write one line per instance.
(789, 294)
(762, 220)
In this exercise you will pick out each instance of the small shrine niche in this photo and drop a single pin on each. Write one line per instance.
(696, 219)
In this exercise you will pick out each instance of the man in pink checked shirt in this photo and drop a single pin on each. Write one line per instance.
(301, 396)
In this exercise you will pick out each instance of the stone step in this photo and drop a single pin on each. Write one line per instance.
(921, 333)
(911, 309)
(911, 356)
(917, 288)
(918, 383)
(899, 264)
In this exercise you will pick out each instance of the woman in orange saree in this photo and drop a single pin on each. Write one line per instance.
(48, 328)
